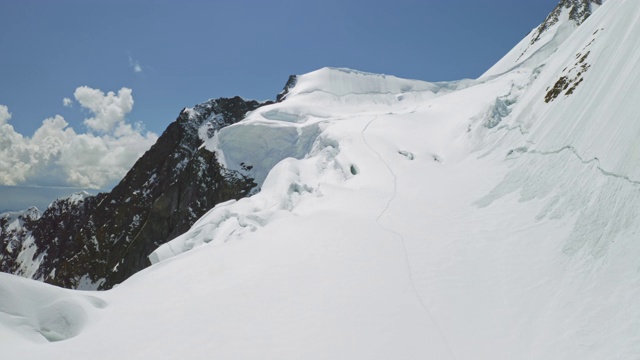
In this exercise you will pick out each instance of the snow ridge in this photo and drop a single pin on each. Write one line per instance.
(578, 12)
(390, 223)
(543, 41)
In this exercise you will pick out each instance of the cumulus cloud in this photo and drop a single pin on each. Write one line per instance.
(135, 64)
(57, 155)
(5, 115)
(109, 110)
(67, 102)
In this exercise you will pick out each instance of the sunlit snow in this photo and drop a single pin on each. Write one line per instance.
(397, 219)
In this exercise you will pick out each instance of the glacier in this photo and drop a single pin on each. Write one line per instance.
(493, 218)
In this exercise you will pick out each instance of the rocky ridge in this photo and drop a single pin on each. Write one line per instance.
(579, 11)
(96, 242)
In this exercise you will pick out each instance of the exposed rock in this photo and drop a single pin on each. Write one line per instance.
(99, 241)
(291, 82)
(579, 11)
(573, 75)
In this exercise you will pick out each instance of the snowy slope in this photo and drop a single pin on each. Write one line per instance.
(399, 219)
(546, 38)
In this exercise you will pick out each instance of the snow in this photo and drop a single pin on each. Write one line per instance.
(15, 219)
(40, 313)
(397, 219)
(14, 225)
(537, 46)
(78, 197)
(28, 262)
(191, 113)
(85, 283)
(290, 129)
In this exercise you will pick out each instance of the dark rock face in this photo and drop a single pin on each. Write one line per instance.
(579, 11)
(569, 79)
(291, 82)
(14, 235)
(99, 241)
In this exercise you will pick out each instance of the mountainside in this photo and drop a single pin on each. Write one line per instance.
(536, 47)
(98, 241)
(494, 218)
(575, 11)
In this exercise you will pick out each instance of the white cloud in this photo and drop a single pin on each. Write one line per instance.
(109, 109)
(135, 64)
(67, 102)
(56, 155)
(5, 115)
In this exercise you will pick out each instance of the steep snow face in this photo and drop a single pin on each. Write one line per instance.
(544, 40)
(580, 114)
(19, 244)
(577, 11)
(585, 97)
(403, 219)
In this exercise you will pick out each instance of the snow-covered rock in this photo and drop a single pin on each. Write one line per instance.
(544, 40)
(484, 219)
(88, 242)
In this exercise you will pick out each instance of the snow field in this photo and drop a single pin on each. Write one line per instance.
(398, 219)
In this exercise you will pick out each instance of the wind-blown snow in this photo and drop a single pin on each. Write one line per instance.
(401, 219)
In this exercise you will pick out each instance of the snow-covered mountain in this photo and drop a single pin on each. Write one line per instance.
(536, 47)
(89, 242)
(493, 218)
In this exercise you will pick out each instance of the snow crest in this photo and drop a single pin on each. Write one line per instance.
(412, 220)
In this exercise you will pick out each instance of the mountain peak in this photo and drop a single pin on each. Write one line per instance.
(545, 39)
(106, 238)
(577, 10)
(475, 220)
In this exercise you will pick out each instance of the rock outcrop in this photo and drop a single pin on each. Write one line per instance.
(96, 242)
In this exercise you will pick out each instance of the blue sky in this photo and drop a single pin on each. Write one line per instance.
(173, 54)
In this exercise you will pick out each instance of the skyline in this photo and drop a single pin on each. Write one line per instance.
(113, 75)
